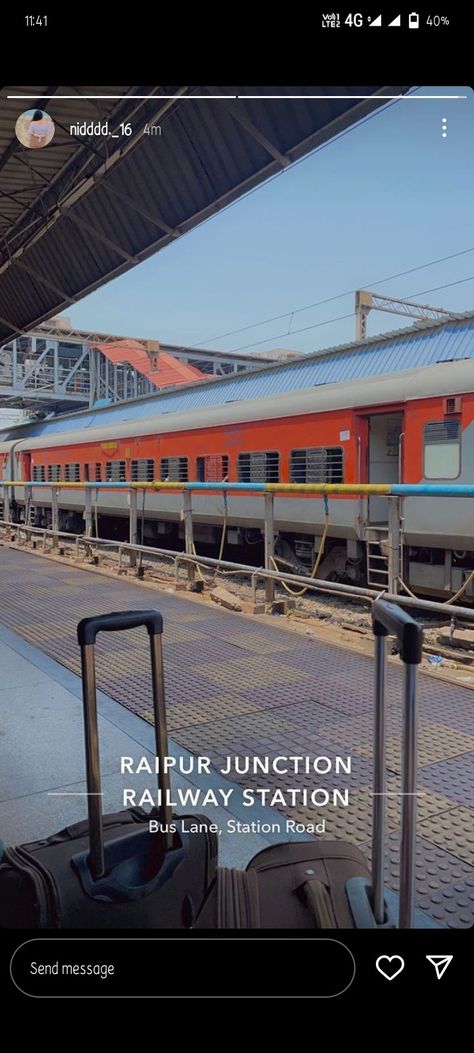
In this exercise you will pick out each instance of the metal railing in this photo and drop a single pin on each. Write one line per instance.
(269, 491)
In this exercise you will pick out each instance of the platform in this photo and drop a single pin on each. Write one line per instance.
(237, 687)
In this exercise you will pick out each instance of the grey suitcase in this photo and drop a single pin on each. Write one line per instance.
(328, 885)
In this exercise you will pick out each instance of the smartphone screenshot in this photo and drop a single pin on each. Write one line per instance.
(236, 543)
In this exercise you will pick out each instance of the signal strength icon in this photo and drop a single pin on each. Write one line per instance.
(396, 21)
(376, 21)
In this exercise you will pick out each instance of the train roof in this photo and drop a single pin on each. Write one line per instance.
(422, 345)
(393, 389)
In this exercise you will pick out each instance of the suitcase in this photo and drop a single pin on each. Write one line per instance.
(110, 872)
(328, 885)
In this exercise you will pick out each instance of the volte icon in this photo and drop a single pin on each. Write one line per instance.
(440, 963)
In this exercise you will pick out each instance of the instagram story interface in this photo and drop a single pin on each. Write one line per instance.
(237, 475)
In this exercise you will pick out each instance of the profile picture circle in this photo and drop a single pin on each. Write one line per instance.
(34, 129)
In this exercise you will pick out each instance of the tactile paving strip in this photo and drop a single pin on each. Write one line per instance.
(258, 670)
(452, 831)
(435, 742)
(458, 714)
(213, 709)
(354, 822)
(453, 905)
(454, 777)
(435, 867)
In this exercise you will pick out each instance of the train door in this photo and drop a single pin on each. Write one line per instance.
(22, 468)
(384, 459)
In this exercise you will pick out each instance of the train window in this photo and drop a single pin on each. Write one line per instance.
(39, 475)
(321, 464)
(259, 467)
(143, 471)
(72, 473)
(212, 469)
(95, 472)
(115, 472)
(442, 449)
(174, 469)
(54, 473)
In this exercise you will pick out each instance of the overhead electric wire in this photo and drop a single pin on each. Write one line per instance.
(339, 318)
(338, 296)
(304, 329)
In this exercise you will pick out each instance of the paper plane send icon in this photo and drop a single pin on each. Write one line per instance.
(440, 962)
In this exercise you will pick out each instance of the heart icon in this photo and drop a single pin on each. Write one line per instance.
(390, 967)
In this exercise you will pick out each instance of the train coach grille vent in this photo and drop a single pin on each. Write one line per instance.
(72, 473)
(115, 472)
(321, 464)
(143, 471)
(259, 467)
(174, 469)
(441, 431)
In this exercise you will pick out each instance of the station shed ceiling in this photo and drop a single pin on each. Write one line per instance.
(88, 206)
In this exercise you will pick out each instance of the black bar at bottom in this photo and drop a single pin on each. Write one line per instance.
(249, 967)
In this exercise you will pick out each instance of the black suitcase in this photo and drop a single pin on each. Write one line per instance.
(110, 872)
(328, 885)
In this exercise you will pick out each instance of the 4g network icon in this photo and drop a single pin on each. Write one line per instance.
(356, 20)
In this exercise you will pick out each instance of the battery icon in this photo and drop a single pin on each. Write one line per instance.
(413, 20)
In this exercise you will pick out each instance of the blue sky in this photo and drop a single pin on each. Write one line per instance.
(389, 195)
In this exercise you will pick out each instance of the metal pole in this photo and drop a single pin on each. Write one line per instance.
(88, 512)
(92, 377)
(378, 811)
(14, 364)
(56, 366)
(188, 530)
(133, 526)
(269, 546)
(54, 515)
(6, 503)
(408, 837)
(28, 498)
(94, 794)
(393, 544)
(161, 736)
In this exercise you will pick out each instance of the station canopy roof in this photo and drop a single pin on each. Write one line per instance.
(89, 206)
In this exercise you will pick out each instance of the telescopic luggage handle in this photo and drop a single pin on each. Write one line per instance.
(86, 634)
(116, 621)
(390, 619)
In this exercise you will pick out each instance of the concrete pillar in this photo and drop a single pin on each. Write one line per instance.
(394, 569)
(133, 526)
(269, 546)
